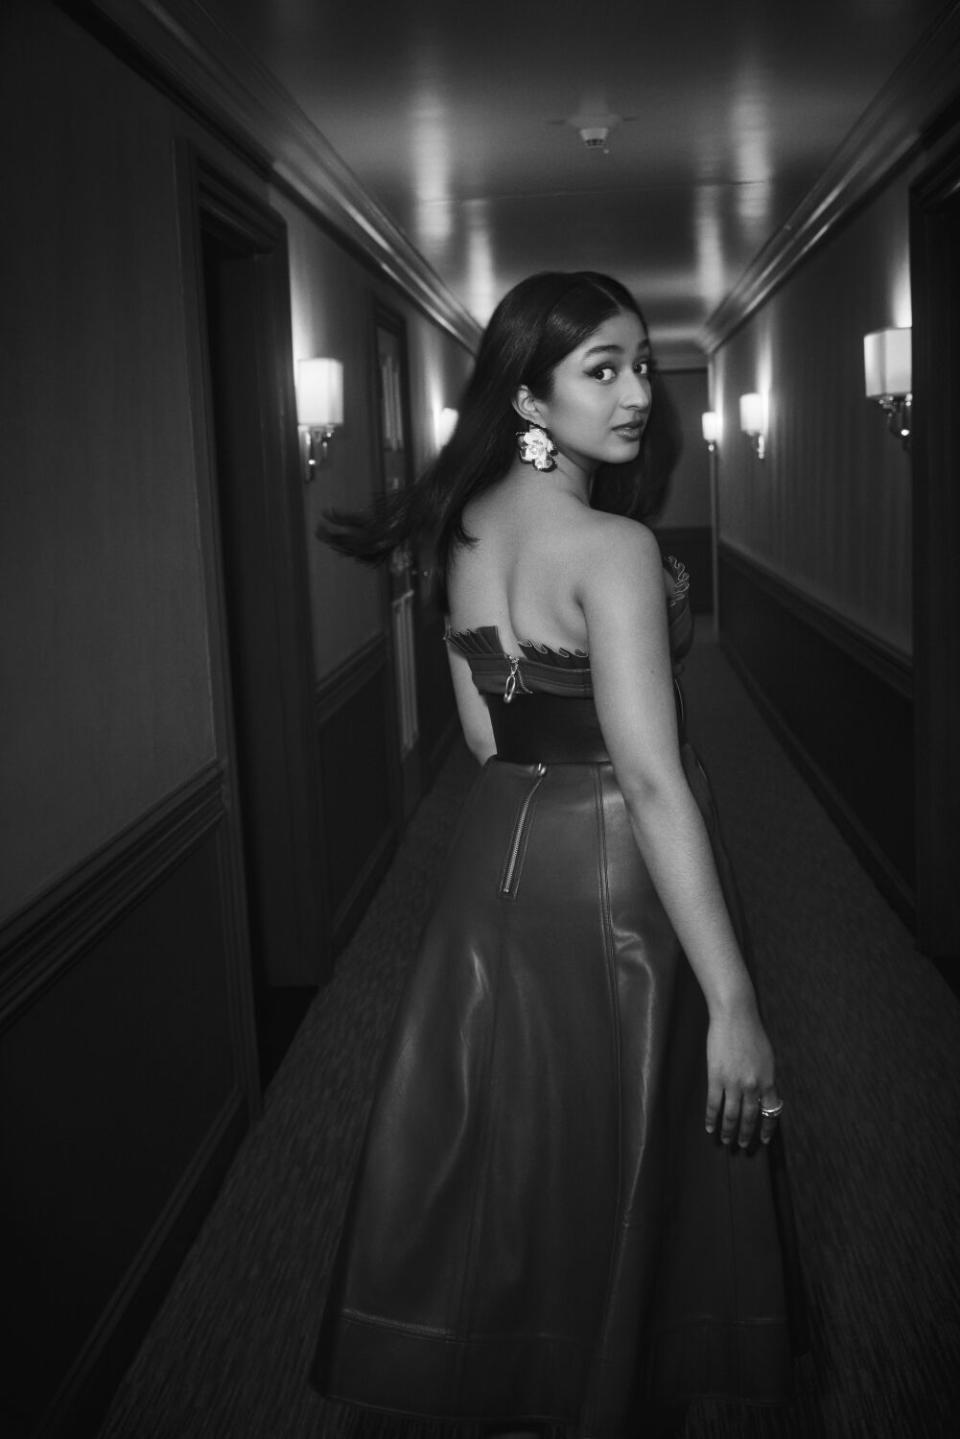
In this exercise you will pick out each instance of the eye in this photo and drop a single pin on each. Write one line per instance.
(604, 373)
(643, 367)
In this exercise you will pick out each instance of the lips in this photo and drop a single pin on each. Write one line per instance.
(630, 432)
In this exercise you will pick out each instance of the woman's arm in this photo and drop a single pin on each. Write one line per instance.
(620, 587)
(472, 708)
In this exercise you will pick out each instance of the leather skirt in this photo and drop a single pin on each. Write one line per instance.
(541, 1232)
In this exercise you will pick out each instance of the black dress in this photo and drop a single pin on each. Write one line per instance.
(541, 1231)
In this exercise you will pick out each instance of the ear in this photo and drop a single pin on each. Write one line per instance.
(528, 406)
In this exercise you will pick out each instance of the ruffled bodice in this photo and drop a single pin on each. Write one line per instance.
(537, 668)
(540, 669)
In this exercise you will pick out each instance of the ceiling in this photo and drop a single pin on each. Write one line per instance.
(462, 122)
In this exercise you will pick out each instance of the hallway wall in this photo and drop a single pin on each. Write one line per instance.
(107, 698)
(332, 305)
(122, 1051)
(127, 1053)
(815, 546)
(828, 510)
(333, 299)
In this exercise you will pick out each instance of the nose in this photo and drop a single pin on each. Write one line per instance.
(636, 392)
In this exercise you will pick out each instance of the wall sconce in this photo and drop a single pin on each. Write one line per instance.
(710, 423)
(888, 377)
(446, 424)
(753, 422)
(319, 407)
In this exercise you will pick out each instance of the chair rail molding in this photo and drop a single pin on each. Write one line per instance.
(53, 931)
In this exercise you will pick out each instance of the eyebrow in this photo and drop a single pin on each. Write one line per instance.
(642, 349)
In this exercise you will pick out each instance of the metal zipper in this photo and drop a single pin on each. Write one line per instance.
(514, 680)
(519, 832)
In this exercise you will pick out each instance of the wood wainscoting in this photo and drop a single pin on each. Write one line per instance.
(841, 704)
(359, 782)
(128, 1073)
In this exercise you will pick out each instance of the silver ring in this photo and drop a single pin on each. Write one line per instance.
(772, 1113)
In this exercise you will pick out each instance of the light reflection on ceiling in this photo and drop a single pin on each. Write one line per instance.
(432, 161)
(482, 291)
(751, 130)
(457, 119)
(431, 136)
(709, 240)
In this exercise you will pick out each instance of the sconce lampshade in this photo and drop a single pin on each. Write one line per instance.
(320, 393)
(751, 414)
(446, 424)
(887, 363)
(710, 422)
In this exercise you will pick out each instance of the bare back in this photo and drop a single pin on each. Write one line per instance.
(522, 574)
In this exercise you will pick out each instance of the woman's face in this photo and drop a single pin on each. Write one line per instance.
(600, 399)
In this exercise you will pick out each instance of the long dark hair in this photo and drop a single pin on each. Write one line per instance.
(534, 327)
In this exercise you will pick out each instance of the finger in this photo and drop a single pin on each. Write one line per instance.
(769, 1122)
(731, 1116)
(714, 1101)
(749, 1114)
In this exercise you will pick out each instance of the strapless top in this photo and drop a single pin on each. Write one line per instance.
(536, 669)
(540, 669)
(540, 729)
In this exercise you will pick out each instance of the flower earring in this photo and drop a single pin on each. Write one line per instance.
(535, 447)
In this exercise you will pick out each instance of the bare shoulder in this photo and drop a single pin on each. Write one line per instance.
(613, 550)
(625, 536)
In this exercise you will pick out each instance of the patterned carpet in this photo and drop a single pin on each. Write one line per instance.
(867, 1036)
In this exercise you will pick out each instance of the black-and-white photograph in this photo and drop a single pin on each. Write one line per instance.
(479, 714)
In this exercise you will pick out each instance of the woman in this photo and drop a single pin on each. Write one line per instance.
(563, 1219)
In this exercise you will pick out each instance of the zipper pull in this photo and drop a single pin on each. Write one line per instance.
(513, 679)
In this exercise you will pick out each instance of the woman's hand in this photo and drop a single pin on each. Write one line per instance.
(740, 1076)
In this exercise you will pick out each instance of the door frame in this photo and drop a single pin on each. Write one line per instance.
(214, 204)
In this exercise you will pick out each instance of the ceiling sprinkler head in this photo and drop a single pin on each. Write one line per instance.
(594, 136)
(594, 122)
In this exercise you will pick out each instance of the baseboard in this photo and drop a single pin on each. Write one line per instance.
(356, 901)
